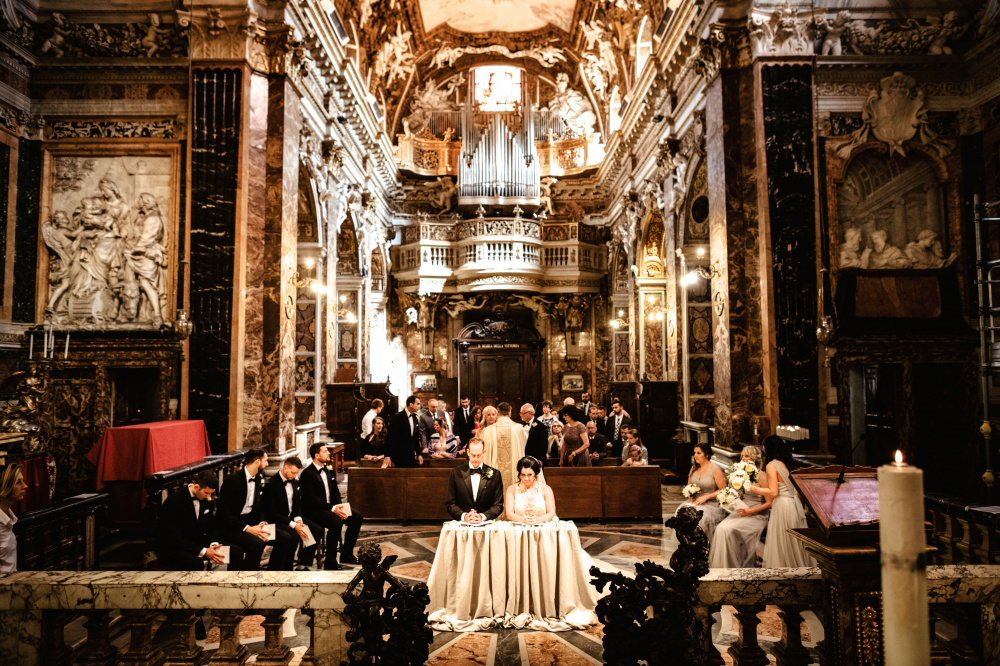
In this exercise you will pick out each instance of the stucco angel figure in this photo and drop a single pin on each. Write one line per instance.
(574, 108)
(832, 32)
(446, 56)
(443, 190)
(153, 40)
(949, 29)
(457, 305)
(56, 43)
(547, 55)
(592, 33)
(927, 251)
(545, 195)
(540, 306)
(430, 98)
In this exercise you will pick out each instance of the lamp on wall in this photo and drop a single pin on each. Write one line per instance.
(312, 284)
(619, 321)
(342, 311)
(656, 312)
(703, 273)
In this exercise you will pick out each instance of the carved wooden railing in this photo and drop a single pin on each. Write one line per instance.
(963, 533)
(60, 536)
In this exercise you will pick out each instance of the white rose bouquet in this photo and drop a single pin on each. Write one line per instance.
(690, 490)
(745, 469)
(727, 497)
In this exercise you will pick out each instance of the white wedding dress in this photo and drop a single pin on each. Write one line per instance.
(511, 575)
(782, 549)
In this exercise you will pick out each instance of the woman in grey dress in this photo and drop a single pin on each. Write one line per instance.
(709, 477)
(737, 536)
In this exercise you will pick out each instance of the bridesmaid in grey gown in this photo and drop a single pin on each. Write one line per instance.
(709, 477)
(737, 536)
(782, 549)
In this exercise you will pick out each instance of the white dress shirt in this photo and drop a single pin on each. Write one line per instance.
(8, 542)
(248, 504)
(290, 494)
(366, 423)
(197, 515)
(475, 479)
(322, 476)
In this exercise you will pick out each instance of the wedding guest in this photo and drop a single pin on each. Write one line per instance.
(322, 505)
(240, 519)
(547, 418)
(403, 439)
(736, 537)
(477, 421)
(781, 549)
(613, 429)
(12, 490)
(635, 458)
(575, 451)
(185, 532)
(594, 415)
(366, 422)
(490, 416)
(504, 442)
(443, 444)
(537, 445)
(445, 415)
(556, 439)
(426, 422)
(475, 491)
(631, 438)
(282, 502)
(585, 404)
(373, 447)
(710, 478)
(464, 421)
(530, 500)
(598, 442)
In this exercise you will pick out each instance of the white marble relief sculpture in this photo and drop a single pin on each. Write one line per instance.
(432, 97)
(108, 242)
(574, 109)
(395, 59)
(783, 31)
(882, 255)
(850, 249)
(441, 192)
(832, 32)
(546, 56)
(927, 251)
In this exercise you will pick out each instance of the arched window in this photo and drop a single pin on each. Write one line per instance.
(498, 88)
(644, 45)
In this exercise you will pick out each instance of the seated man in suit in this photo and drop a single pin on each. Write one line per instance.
(598, 443)
(186, 529)
(321, 504)
(475, 491)
(282, 502)
(240, 518)
(538, 435)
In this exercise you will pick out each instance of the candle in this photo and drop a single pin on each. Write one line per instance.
(66, 352)
(904, 576)
(31, 346)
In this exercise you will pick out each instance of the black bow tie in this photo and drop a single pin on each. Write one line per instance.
(475, 470)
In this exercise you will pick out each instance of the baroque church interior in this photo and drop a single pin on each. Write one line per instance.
(228, 229)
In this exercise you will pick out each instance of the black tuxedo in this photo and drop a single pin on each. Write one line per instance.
(601, 423)
(489, 499)
(180, 535)
(538, 441)
(609, 430)
(318, 508)
(274, 501)
(245, 548)
(463, 426)
(584, 408)
(599, 445)
(402, 445)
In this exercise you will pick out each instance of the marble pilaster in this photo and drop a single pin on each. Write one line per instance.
(279, 261)
(329, 628)
(21, 636)
(734, 255)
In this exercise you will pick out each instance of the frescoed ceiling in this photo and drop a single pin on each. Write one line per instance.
(497, 15)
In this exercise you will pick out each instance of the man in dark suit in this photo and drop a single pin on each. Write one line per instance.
(599, 421)
(475, 491)
(598, 443)
(321, 504)
(538, 435)
(186, 529)
(402, 441)
(585, 403)
(240, 518)
(463, 421)
(282, 502)
(613, 429)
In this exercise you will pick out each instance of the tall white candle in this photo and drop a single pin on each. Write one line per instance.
(31, 346)
(66, 352)
(904, 576)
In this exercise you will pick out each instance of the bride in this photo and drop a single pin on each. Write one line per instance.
(529, 501)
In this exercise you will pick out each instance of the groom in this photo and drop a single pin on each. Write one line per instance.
(475, 491)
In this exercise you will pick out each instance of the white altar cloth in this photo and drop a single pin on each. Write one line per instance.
(510, 575)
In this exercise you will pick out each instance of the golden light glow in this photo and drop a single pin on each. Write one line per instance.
(899, 456)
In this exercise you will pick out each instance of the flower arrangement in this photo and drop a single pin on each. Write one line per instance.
(489, 472)
(741, 475)
(690, 490)
(727, 497)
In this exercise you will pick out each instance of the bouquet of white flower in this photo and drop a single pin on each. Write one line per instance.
(741, 475)
(726, 497)
(690, 490)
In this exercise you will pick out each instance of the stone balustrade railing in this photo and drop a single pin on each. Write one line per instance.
(36, 606)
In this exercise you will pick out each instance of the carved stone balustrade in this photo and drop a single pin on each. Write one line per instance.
(513, 254)
(35, 607)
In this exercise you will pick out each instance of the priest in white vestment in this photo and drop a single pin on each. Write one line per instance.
(504, 442)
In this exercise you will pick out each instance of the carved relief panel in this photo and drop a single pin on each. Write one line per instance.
(109, 219)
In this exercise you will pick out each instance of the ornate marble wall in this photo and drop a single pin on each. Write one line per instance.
(216, 118)
(29, 175)
(787, 104)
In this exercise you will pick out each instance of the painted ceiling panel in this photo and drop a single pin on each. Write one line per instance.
(497, 15)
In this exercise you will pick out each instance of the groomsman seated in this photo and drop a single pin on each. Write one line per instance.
(282, 501)
(241, 521)
(186, 528)
(321, 504)
(475, 491)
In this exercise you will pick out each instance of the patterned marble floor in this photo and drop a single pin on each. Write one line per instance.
(619, 544)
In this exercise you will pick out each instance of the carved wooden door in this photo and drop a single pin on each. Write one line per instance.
(502, 377)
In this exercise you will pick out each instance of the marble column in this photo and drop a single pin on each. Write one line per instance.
(734, 254)
(280, 260)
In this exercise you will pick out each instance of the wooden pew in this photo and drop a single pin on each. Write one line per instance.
(419, 493)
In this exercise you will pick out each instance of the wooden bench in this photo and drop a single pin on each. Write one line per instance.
(337, 457)
(419, 493)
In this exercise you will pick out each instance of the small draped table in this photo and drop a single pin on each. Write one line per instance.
(510, 575)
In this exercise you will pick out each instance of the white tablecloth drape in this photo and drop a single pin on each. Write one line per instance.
(510, 575)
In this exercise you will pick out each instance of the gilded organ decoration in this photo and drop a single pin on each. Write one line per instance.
(108, 232)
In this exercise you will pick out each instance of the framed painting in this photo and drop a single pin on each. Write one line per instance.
(425, 382)
(573, 382)
(108, 227)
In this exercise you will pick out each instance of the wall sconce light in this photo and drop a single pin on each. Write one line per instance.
(701, 272)
(619, 321)
(342, 311)
(656, 312)
(312, 284)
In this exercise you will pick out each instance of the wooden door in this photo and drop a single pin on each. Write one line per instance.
(502, 376)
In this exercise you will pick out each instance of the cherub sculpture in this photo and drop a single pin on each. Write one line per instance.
(457, 305)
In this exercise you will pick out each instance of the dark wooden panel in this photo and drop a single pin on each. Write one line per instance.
(426, 492)
(632, 492)
(378, 493)
(578, 491)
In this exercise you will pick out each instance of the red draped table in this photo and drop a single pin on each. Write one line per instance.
(127, 454)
